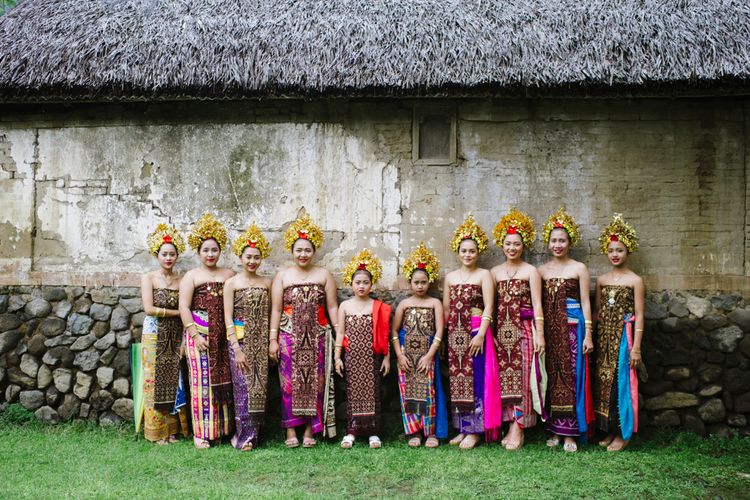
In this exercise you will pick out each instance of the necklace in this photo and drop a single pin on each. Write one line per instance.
(362, 310)
(304, 278)
(464, 280)
(168, 278)
(511, 276)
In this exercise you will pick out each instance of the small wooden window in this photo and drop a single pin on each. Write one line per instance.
(434, 135)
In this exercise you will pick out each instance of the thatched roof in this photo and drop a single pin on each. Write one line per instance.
(121, 49)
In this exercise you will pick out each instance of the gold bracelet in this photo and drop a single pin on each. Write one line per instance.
(488, 318)
(338, 346)
(188, 325)
(539, 318)
(274, 330)
(588, 322)
(639, 329)
(635, 352)
(193, 336)
(394, 338)
(437, 340)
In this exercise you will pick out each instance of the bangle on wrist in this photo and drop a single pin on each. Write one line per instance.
(539, 318)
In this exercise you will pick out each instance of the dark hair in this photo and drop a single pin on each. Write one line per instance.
(369, 275)
(212, 239)
(420, 271)
(168, 243)
(307, 240)
(567, 234)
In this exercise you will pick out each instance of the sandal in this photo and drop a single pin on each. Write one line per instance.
(201, 444)
(415, 442)
(457, 440)
(469, 442)
(375, 442)
(173, 439)
(247, 447)
(553, 441)
(162, 442)
(291, 442)
(309, 442)
(347, 442)
(432, 442)
(570, 447)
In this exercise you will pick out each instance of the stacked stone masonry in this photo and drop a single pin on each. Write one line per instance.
(65, 355)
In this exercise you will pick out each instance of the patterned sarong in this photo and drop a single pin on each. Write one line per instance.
(362, 377)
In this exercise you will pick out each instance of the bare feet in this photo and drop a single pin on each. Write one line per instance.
(432, 442)
(457, 440)
(201, 444)
(247, 447)
(515, 437)
(618, 444)
(469, 442)
(162, 442)
(606, 441)
(173, 439)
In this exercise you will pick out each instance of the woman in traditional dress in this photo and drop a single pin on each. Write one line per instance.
(468, 296)
(520, 326)
(416, 336)
(202, 312)
(619, 305)
(301, 337)
(568, 325)
(161, 340)
(362, 335)
(247, 309)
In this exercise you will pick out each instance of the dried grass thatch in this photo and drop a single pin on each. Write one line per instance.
(115, 49)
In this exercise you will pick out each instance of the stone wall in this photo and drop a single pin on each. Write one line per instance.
(65, 354)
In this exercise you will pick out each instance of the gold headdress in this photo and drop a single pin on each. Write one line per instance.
(303, 228)
(252, 237)
(207, 228)
(562, 220)
(165, 234)
(363, 261)
(423, 259)
(470, 230)
(515, 222)
(618, 230)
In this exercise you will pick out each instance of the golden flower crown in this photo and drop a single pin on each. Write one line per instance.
(252, 237)
(515, 222)
(618, 230)
(164, 234)
(303, 228)
(422, 259)
(470, 230)
(363, 261)
(562, 220)
(207, 228)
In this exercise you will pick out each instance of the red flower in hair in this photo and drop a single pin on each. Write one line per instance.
(302, 235)
(421, 265)
(467, 236)
(512, 230)
(251, 244)
(362, 267)
(614, 237)
(167, 239)
(558, 224)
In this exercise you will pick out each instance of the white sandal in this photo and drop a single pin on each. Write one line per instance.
(375, 442)
(347, 442)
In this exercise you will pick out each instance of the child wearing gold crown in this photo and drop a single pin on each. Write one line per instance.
(163, 397)
(619, 304)
(468, 299)
(301, 339)
(202, 313)
(568, 326)
(520, 327)
(416, 335)
(247, 309)
(362, 339)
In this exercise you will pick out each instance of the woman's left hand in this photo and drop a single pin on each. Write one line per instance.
(635, 359)
(385, 366)
(425, 362)
(588, 345)
(476, 346)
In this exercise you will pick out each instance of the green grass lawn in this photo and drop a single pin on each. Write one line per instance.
(83, 461)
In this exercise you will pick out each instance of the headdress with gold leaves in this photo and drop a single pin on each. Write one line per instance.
(470, 230)
(253, 237)
(618, 230)
(562, 220)
(363, 261)
(303, 228)
(207, 228)
(165, 234)
(515, 222)
(423, 259)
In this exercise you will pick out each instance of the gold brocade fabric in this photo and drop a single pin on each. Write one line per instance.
(615, 302)
(419, 326)
(252, 308)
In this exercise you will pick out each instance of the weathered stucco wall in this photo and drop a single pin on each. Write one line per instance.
(82, 185)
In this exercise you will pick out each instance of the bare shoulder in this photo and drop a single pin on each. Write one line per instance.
(227, 273)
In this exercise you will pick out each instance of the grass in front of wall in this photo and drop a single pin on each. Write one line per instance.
(84, 461)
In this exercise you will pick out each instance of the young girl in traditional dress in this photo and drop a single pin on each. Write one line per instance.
(619, 305)
(568, 325)
(520, 326)
(202, 313)
(161, 340)
(416, 336)
(468, 296)
(301, 337)
(362, 337)
(247, 309)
